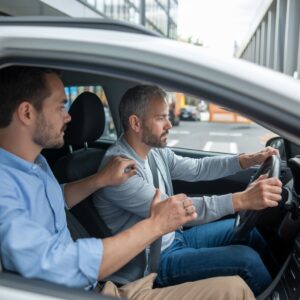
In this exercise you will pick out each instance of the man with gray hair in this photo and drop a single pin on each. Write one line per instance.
(205, 250)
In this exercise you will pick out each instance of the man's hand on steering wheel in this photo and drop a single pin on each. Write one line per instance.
(252, 159)
(260, 197)
(262, 193)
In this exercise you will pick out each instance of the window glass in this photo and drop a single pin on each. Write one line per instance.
(202, 125)
(73, 91)
(91, 2)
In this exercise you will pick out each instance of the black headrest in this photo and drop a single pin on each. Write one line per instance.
(88, 120)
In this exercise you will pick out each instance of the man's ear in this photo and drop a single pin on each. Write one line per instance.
(25, 112)
(135, 123)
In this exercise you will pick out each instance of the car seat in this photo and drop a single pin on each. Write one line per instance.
(86, 126)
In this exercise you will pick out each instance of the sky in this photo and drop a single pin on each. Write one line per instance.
(219, 23)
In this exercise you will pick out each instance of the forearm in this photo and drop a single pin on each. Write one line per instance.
(76, 191)
(120, 249)
(211, 208)
(112, 174)
(208, 168)
(247, 160)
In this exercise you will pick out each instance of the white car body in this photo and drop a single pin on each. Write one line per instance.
(267, 97)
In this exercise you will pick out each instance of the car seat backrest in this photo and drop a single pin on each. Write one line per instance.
(86, 126)
(76, 229)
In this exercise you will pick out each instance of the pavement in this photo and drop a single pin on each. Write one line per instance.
(219, 137)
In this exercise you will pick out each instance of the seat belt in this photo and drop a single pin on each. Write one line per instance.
(155, 247)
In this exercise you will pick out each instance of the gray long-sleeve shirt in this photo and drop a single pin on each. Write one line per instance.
(123, 206)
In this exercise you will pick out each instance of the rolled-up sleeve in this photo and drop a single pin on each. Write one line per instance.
(31, 250)
(90, 254)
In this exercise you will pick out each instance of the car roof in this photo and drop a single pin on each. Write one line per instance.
(64, 21)
(268, 97)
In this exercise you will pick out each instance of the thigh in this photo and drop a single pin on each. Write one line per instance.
(221, 288)
(215, 234)
(189, 264)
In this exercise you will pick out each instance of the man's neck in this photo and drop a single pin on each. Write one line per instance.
(138, 146)
(19, 146)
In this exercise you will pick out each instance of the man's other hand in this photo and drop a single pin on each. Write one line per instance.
(171, 213)
(262, 193)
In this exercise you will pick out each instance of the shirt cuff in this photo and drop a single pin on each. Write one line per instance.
(227, 205)
(90, 253)
(236, 163)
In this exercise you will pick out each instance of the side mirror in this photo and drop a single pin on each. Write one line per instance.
(277, 143)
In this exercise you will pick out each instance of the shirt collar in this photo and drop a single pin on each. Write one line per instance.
(9, 159)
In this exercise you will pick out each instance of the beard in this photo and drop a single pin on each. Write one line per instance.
(46, 136)
(151, 140)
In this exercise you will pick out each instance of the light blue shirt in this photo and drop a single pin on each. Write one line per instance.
(34, 238)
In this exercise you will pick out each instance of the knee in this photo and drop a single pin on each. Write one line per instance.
(252, 269)
(237, 289)
(246, 255)
(249, 263)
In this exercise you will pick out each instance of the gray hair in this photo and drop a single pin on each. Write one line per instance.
(135, 102)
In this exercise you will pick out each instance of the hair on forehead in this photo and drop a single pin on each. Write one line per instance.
(20, 83)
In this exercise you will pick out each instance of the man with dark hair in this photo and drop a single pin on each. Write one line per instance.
(203, 251)
(35, 240)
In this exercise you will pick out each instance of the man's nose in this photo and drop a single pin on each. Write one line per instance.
(68, 118)
(169, 124)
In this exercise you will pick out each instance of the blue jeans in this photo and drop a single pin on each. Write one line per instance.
(207, 251)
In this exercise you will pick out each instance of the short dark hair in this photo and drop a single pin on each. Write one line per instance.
(135, 102)
(19, 83)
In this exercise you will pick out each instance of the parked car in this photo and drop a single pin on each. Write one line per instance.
(189, 113)
(121, 56)
(173, 117)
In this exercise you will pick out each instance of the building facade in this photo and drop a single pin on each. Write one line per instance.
(274, 41)
(157, 15)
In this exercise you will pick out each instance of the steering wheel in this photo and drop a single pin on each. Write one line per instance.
(246, 220)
